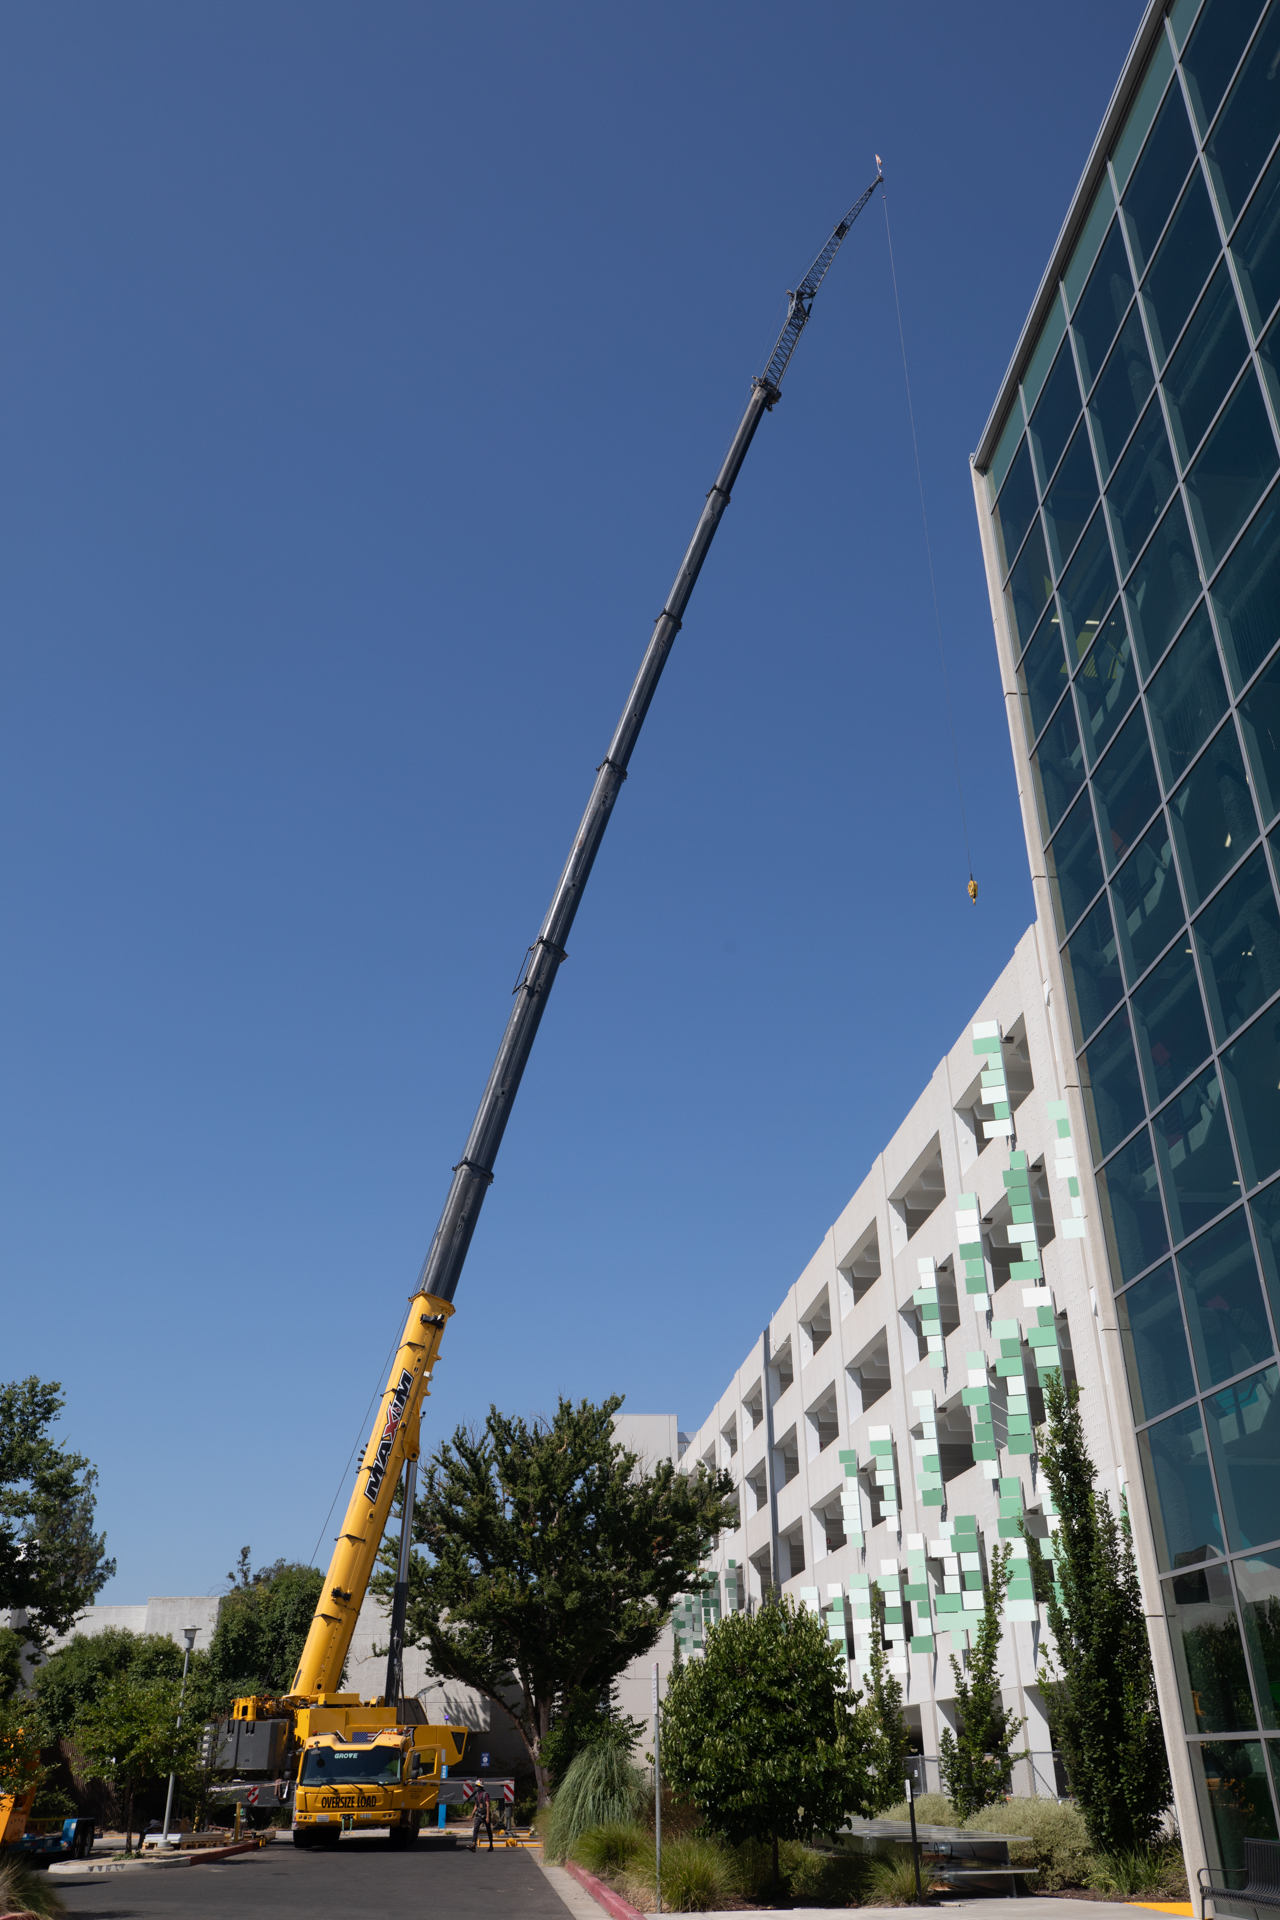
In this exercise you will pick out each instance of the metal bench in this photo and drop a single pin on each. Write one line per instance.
(1262, 1877)
(1011, 1874)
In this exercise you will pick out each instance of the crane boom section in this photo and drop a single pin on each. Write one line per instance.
(393, 1440)
(329, 1639)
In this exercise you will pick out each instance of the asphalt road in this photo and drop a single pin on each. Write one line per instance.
(361, 1876)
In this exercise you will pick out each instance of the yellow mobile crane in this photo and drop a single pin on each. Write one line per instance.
(371, 1762)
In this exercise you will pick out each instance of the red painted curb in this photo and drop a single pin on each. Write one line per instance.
(613, 1903)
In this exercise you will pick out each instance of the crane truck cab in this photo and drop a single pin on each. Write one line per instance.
(386, 1776)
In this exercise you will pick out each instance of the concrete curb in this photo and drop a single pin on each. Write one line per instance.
(84, 1872)
(613, 1903)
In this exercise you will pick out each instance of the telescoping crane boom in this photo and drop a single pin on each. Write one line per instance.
(393, 1444)
(396, 1426)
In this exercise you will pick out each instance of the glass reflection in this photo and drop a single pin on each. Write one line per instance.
(1057, 766)
(1208, 1652)
(1015, 509)
(1029, 585)
(1260, 724)
(1073, 865)
(1125, 790)
(1121, 393)
(1187, 698)
(1163, 588)
(1188, 253)
(1158, 177)
(1092, 971)
(1258, 1584)
(1155, 1344)
(1132, 1214)
(1148, 906)
(1175, 1469)
(1246, 594)
(1042, 674)
(1169, 1024)
(1251, 1069)
(1231, 470)
(1265, 1211)
(1071, 498)
(1214, 823)
(1088, 588)
(1244, 1434)
(1256, 249)
(1231, 1786)
(1238, 939)
(1102, 305)
(1111, 1087)
(1223, 1299)
(1107, 683)
(1055, 415)
(1250, 122)
(1197, 1166)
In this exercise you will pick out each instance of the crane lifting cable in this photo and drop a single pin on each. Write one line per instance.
(928, 548)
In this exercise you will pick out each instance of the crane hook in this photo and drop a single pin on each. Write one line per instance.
(973, 890)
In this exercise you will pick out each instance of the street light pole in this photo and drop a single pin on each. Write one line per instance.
(189, 1635)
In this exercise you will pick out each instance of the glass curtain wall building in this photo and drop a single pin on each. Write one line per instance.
(1129, 498)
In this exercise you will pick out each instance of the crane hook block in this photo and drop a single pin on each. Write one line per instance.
(973, 890)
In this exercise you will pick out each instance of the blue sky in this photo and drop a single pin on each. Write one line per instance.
(364, 369)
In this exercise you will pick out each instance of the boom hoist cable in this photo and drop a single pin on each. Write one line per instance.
(928, 548)
(393, 1444)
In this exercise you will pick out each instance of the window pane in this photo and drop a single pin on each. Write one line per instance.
(1251, 1069)
(1163, 588)
(1140, 486)
(1042, 675)
(1057, 766)
(1155, 1344)
(1260, 723)
(1250, 122)
(1147, 903)
(1169, 1024)
(1197, 1166)
(1071, 499)
(1214, 51)
(1182, 17)
(1111, 1087)
(1146, 103)
(1213, 819)
(1088, 588)
(1238, 938)
(1256, 248)
(1086, 248)
(1161, 172)
(1015, 509)
(1055, 325)
(1231, 1786)
(1258, 1584)
(1074, 865)
(1188, 254)
(1246, 595)
(1057, 411)
(1235, 464)
(1186, 699)
(1125, 790)
(1103, 306)
(1107, 683)
(1246, 1454)
(1223, 1298)
(1266, 1224)
(1029, 587)
(1006, 447)
(1121, 393)
(1207, 361)
(1132, 1216)
(1208, 1652)
(1184, 1513)
(1092, 970)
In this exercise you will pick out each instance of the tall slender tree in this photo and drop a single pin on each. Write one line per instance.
(884, 1703)
(976, 1761)
(1099, 1681)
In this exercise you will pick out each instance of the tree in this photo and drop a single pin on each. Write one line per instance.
(262, 1628)
(1099, 1684)
(24, 1735)
(52, 1562)
(130, 1737)
(975, 1761)
(76, 1677)
(763, 1735)
(551, 1560)
(11, 1645)
(884, 1702)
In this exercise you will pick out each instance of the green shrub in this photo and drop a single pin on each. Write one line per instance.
(1057, 1839)
(932, 1810)
(601, 1788)
(699, 1875)
(892, 1880)
(1134, 1870)
(22, 1891)
(611, 1848)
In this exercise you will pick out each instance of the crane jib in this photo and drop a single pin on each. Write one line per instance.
(388, 1452)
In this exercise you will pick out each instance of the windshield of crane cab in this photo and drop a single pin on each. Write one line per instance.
(359, 1766)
